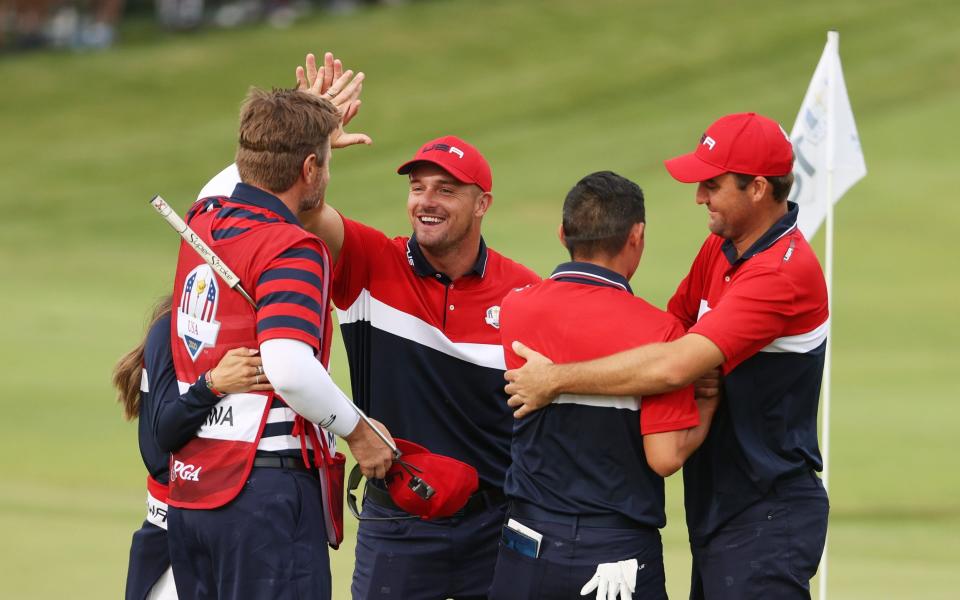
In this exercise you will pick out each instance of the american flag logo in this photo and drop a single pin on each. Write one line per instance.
(210, 303)
(196, 323)
(187, 289)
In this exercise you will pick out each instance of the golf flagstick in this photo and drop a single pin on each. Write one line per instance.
(231, 279)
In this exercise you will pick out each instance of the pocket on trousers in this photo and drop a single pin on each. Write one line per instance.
(756, 523)
(808, 535)
(651, 580)
(515, 576)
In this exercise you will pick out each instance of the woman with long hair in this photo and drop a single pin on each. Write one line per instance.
(147, 389)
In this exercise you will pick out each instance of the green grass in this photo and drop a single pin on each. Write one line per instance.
(550, 91)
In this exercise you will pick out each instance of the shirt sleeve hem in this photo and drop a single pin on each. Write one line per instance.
(714, 337)
(202, 393)
(290, 334)
(677, 425)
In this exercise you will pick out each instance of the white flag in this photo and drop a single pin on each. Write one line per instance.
(824, 136)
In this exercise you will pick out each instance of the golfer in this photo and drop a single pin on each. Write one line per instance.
(755, 303)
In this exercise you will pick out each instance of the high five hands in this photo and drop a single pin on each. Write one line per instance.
(341, 88)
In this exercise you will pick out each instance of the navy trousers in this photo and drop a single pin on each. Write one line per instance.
(770, 550)
(268, 543)
(569, 555)
(149, 559)
(425, 560)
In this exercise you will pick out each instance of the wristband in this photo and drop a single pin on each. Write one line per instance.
(208, 381)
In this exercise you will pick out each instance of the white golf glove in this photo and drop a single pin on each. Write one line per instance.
(613, 580)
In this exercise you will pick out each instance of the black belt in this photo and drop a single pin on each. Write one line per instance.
(279, 461)
(480, 500)
(519, 508)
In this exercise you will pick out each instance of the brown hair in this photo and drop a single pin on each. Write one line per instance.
(128, 370)
(278, 131)
(780, 185)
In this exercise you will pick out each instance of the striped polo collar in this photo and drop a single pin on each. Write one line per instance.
(590, 274)
(782, 227)
(254, 196)
(422, 267)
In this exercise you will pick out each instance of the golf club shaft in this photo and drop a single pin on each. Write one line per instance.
(376, 430)
(201, 247)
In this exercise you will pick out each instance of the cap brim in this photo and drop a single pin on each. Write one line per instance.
(456, 173)
(408, 166)
(689, 168)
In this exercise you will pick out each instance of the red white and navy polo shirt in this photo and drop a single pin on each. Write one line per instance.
(767, 312)
(584, 454)
(424, 351)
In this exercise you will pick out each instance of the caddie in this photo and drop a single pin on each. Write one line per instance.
(755, 303)
(247, 518)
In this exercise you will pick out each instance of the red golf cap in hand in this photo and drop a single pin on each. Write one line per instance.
(429, 485)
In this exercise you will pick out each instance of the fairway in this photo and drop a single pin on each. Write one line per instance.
(549, 91)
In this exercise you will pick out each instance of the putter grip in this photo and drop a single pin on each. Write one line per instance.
(194, 240)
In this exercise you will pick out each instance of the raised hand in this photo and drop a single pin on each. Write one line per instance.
(341, 88)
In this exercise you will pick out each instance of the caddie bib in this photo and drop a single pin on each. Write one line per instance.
(209, 319)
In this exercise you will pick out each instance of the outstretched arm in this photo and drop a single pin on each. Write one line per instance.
(342, 89)
(327, 224)
(641, 371)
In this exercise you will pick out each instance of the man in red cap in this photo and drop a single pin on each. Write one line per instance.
(420, 322)
(755, 304)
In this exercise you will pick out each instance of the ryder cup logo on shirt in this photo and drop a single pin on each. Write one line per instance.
(493, 317)
(198, 307)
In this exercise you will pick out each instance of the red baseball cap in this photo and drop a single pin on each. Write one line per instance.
(456, 157)
(429, 485)
(745, 143)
